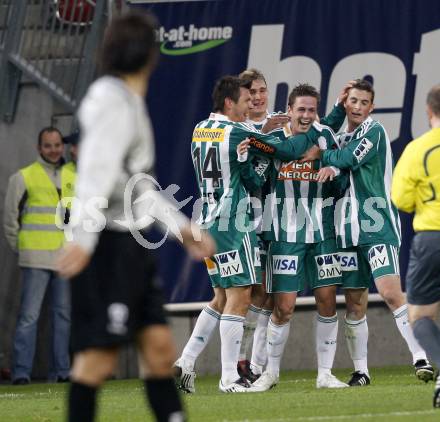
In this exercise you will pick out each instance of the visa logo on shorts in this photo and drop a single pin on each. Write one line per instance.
(208, 135)
(328, 266)
(210, 266)
(378, 257)
(284, 264)
(362, 149)
(229, 263)
(348, 261)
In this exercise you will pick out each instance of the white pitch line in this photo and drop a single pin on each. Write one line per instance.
(366, 415)
(313, 380)
(340, 417)
(30, 395)
(11, 396)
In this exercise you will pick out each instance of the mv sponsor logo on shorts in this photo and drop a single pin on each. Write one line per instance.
(229, 263)
(362, 149)
(378, 257)
(348, 261)
(284, 264)
(211, 266)
(328, 266)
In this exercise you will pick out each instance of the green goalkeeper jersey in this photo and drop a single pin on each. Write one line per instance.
(302, 209)
(365, 214)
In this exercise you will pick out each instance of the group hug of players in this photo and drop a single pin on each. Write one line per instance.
(291, 205)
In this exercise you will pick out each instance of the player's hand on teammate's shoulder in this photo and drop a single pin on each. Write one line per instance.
(275, 121)
(198, 243)
(72, 260)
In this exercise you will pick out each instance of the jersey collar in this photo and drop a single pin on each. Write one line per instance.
(367, 121)
(219, 116)
(261, 122)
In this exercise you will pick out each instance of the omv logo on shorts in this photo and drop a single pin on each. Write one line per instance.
(192, 39)
(378, 257)
(229, 263)
(284, 264)
(328, 266)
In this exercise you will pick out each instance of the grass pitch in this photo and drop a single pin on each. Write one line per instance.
(395, 395)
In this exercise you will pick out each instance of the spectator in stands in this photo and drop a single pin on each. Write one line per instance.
(30, 225)
(416, 188)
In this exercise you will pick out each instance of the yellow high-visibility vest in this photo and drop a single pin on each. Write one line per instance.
(39, 220)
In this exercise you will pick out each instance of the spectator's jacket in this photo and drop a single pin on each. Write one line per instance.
(30, 218)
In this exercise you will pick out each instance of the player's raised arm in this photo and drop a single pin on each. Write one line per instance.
(358, 152)
(273, 147)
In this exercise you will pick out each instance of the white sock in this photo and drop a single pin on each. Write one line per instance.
(249, 326)
(356, 334)
(401, 318)
(259, 348)
(277, 336)
(205, 326)
(231, 333)
(326, 337)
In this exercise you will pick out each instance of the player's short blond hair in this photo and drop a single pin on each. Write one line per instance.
(252, 75)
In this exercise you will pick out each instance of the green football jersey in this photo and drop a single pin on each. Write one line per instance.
(219, 173)
(282, 210)
(365, 214)
(263, 167)
(302, 209)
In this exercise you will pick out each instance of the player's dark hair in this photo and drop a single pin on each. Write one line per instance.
(303, 90)
(252, 75)
(433, 100)
(364, 85)
(130, 43)
(47, 129)
(227, 87)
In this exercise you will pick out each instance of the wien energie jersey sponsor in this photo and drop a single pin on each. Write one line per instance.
(301, 207)
(366, 214)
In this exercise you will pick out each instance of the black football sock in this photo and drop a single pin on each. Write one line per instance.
(164, 399)
(82, 402)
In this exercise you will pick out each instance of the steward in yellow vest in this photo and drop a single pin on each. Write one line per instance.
(30, 218)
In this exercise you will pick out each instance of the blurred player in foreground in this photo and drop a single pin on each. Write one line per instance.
(114, 297)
